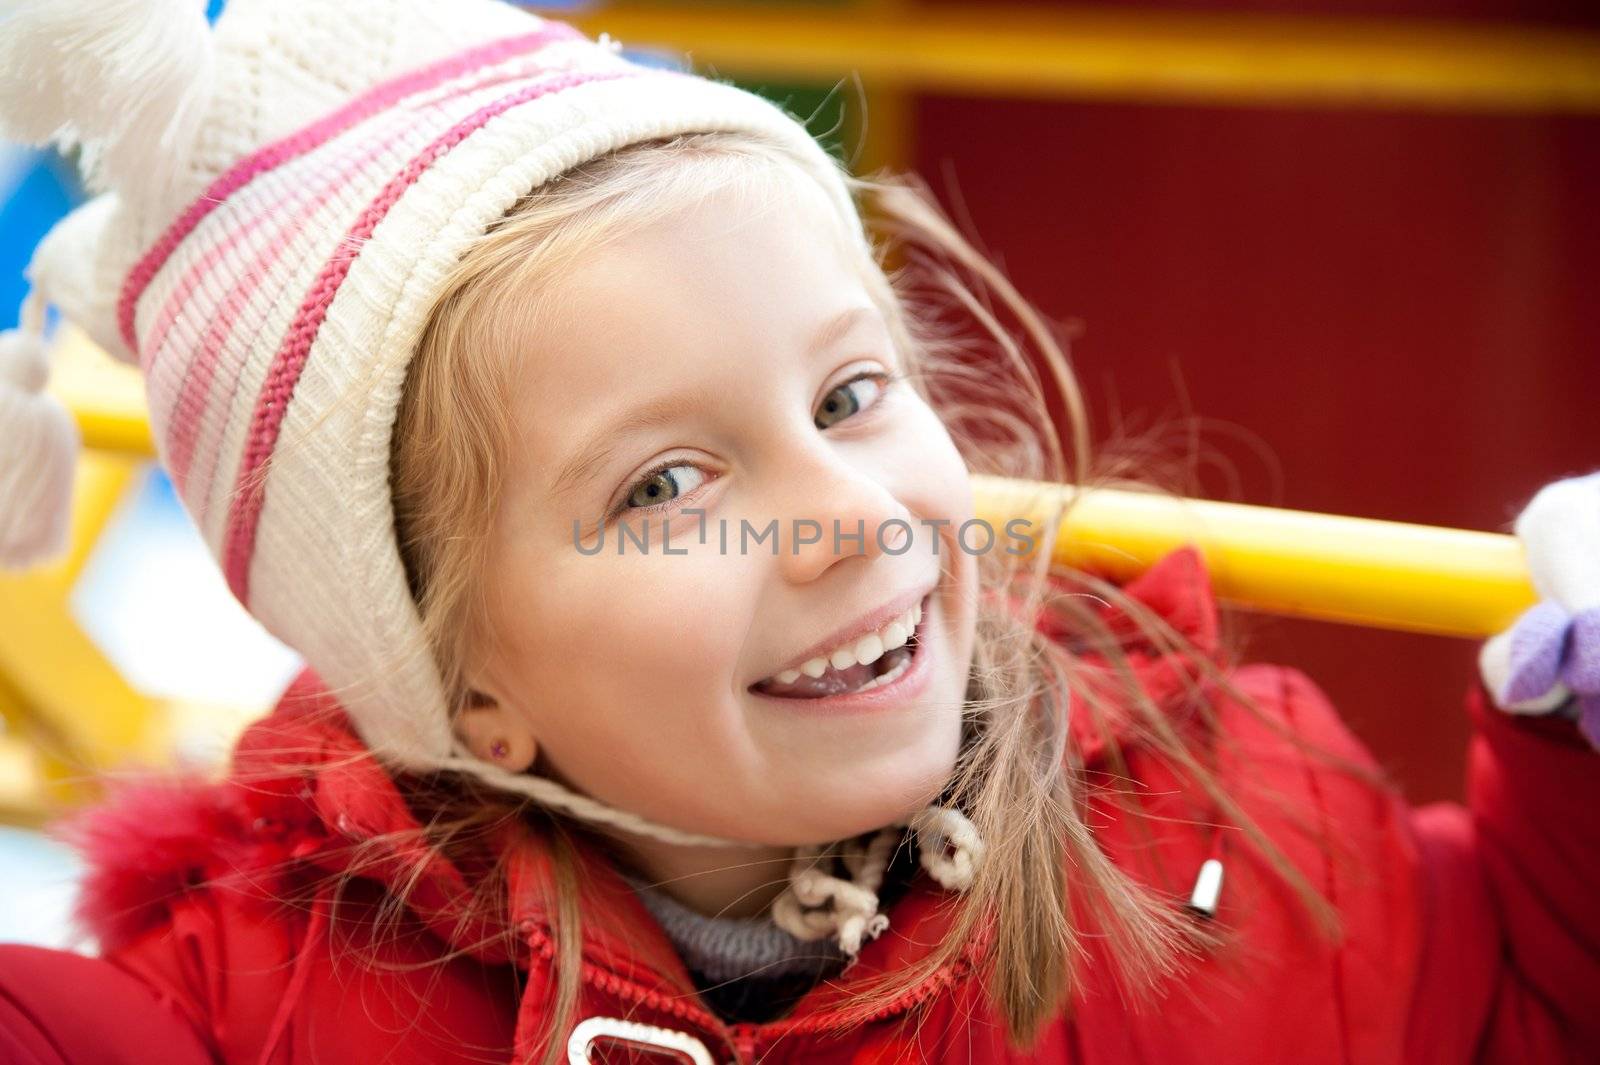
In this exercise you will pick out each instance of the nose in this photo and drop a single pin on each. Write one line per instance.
(837, 511)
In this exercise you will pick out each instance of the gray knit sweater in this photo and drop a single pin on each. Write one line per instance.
(747, 968)
(734, 948)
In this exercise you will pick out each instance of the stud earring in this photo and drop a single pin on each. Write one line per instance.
(499, 749)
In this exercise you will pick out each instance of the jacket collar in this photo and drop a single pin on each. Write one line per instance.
(1177, 590)
(337, 792)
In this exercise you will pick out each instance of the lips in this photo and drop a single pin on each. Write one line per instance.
(872, 660)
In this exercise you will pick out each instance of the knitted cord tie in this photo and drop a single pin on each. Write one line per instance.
(818, 904)
(949, 846)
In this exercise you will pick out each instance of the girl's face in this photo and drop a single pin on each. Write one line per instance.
(723, 377)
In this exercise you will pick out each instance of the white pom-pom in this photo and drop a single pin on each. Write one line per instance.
(39, 446)
(1560, 534)
(129, 80)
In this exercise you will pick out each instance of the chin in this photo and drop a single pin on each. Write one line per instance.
(881, 794)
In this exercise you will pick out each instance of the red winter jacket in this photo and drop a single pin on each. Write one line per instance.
(1471, 933)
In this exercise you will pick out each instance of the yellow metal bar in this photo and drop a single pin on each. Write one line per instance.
(24, 790)
(105, 396)
(1384, 574)
(885, 126)
(23, 798)
(47, 660)
(1150, 56)
(1357, 570)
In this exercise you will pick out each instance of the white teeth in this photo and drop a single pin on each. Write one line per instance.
(869, 649)
(864, 651)
(895, 635)
(888, 678)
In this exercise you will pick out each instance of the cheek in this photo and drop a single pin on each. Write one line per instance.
(939, 486)
(935, 478)
(605, 636)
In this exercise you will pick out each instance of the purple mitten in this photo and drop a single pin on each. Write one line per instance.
(1552, 650)
(1549, 660)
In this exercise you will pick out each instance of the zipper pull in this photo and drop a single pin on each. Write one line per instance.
(1207, 888)
(744, 1042)
(616, 1029)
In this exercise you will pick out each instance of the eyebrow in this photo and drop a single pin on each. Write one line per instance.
(840, 325)
(651, 415)
(662, 410)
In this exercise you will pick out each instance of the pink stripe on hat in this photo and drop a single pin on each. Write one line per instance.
(184, 421)
(273, 399)
(304, 188)
(301, 141)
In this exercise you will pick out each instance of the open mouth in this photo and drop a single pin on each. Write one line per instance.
(871, 661)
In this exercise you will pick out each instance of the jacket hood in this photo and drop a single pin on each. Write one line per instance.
(304, 798)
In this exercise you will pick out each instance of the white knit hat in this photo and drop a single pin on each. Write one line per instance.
(280, 200)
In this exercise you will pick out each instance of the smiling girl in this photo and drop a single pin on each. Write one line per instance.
(432, 299)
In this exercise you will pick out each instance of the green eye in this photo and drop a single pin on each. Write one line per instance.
(849, 398)
(663, 487)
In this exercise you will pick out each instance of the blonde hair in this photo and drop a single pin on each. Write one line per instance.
(1047, 887)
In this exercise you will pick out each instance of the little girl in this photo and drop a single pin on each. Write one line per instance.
(664, 699)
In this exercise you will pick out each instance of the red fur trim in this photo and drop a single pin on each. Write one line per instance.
(257, 832)
(148, 844)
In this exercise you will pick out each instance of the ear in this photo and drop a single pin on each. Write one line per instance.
(497, 733)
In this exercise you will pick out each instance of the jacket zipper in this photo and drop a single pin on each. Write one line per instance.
(746, 1035)
(742, 1037)
(616, 986)
(744, 1042)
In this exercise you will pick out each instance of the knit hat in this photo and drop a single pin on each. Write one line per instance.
(278, 202)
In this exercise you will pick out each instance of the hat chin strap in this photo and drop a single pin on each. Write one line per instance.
(816, 904)
(558, 797)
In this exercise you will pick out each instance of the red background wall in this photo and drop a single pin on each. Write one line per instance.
(1400, 305)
